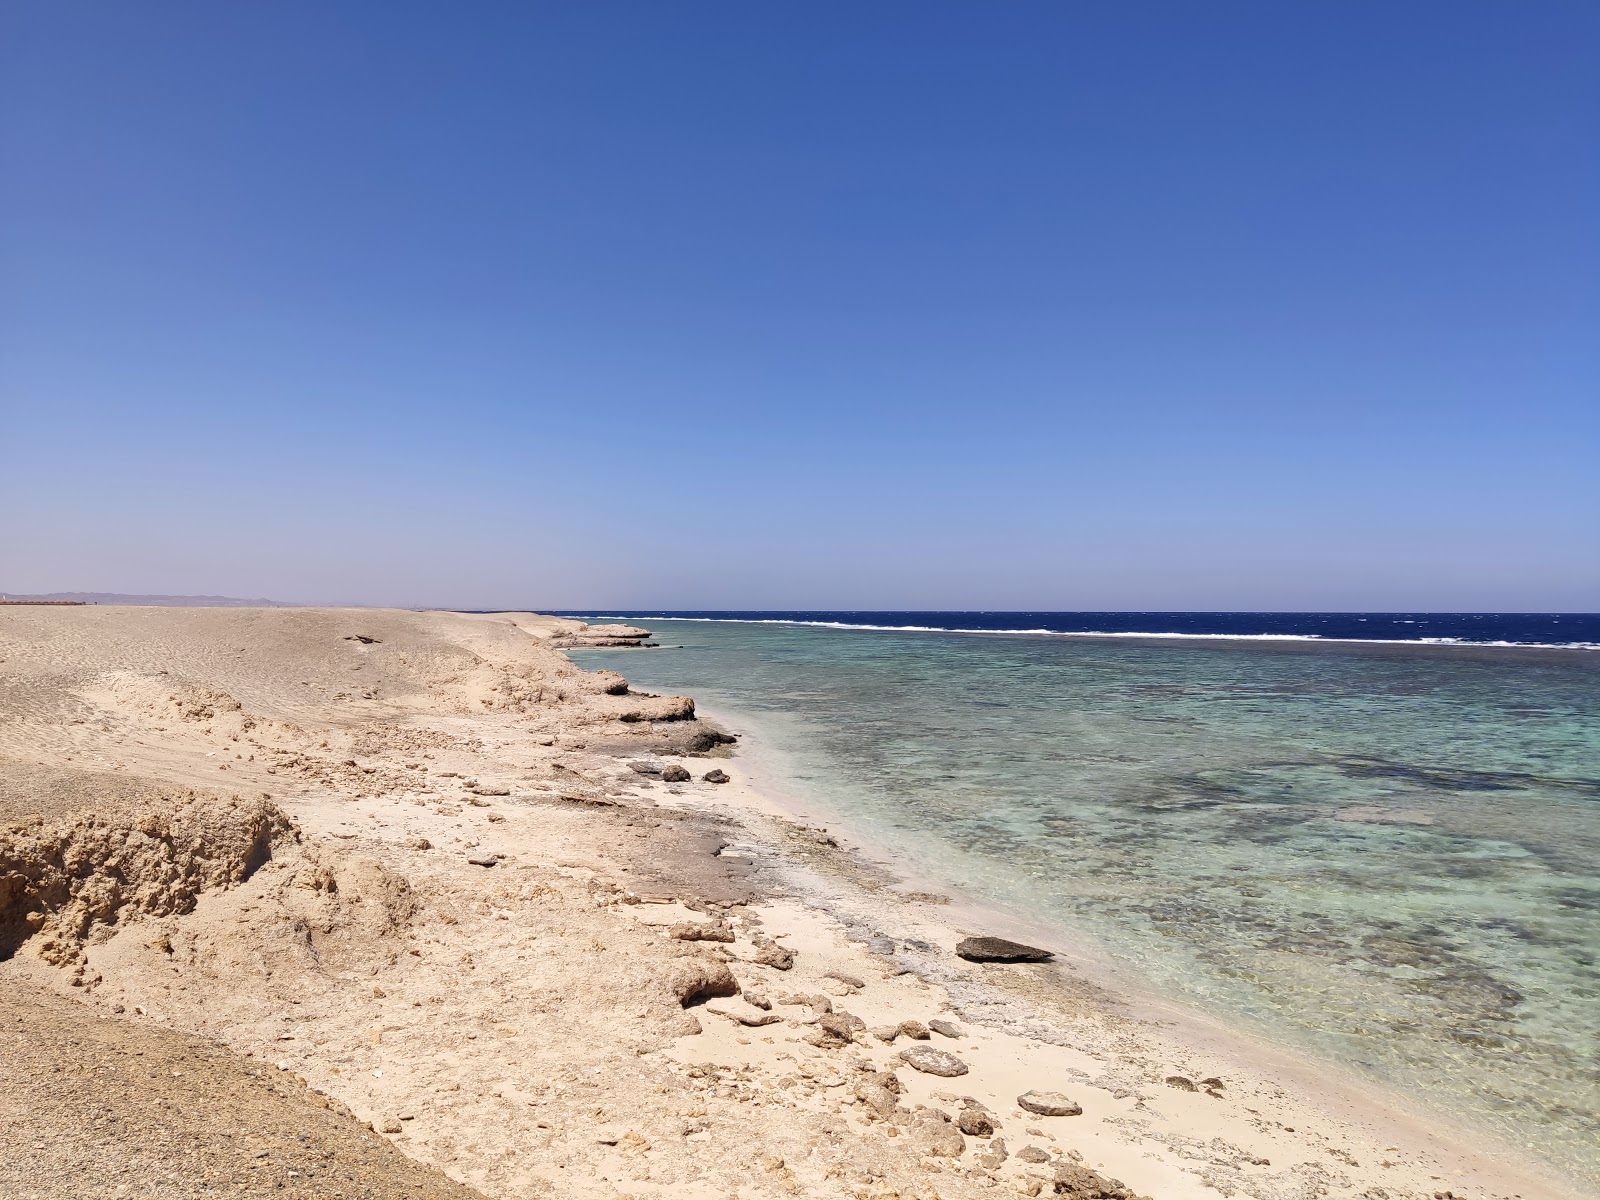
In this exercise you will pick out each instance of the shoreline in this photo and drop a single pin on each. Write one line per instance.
(429, 887)
(1336, 1093)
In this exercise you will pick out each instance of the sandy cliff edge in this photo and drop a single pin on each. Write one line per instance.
(369, 868)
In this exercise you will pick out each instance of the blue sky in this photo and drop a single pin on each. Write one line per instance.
(1032, 305)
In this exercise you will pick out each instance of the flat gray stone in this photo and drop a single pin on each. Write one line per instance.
(1049, 1104)
(933, 1062)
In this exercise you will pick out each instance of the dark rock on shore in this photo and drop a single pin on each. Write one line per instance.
(716, 775)
(697, 739)
(993, 949)
(674, 774)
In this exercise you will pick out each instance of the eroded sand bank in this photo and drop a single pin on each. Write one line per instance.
(271, 877)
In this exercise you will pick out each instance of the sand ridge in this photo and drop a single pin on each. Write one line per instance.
(468, 919)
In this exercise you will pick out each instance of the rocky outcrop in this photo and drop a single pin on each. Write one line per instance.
(582, 636)
(61, 879)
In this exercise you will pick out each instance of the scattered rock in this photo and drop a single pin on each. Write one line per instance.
(915, 1030)
(770, 954)
(419, 843)
(850, 981)
(843, 1024)
(757, 998)
(1033, 1154)
(880, 1092)
(696, 979)
(886, 1033)
(647, 768)
(1080, 1183)
(816, 1001)
(932, 1133)
(1182, 1083)
(752, 1019)
(683, 1024)
(717, 775)
(944, 1027)
(975, 1121)
(1049, 1104)
(1212, 1082)
(715, 931)
(994, 1155)
(675, 774)
(933, 1062)
(491, 791)
(993, 949)
(835, 1030)
(483, 860)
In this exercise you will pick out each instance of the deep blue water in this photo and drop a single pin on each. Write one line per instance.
(1523, 629)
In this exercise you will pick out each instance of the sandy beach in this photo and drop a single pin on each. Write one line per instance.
(361, 902)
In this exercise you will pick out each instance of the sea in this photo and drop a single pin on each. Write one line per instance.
(1370, 837)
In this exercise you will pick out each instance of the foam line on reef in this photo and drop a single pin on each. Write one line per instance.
(1102, 633)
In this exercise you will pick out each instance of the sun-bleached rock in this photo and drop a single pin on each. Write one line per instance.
(933, 1062)
(1049, 1104)
(694, 979)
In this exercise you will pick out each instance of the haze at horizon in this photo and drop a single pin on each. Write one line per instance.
(910, 306)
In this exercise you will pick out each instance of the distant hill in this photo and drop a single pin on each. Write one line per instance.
(153, 601)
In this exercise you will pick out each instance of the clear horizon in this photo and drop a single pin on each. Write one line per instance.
(912, 307)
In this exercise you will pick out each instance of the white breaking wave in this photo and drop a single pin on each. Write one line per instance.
(1103, 633)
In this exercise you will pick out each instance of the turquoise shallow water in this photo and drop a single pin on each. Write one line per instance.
(1387, 856)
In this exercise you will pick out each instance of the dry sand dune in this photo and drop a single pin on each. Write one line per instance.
(375, 903)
